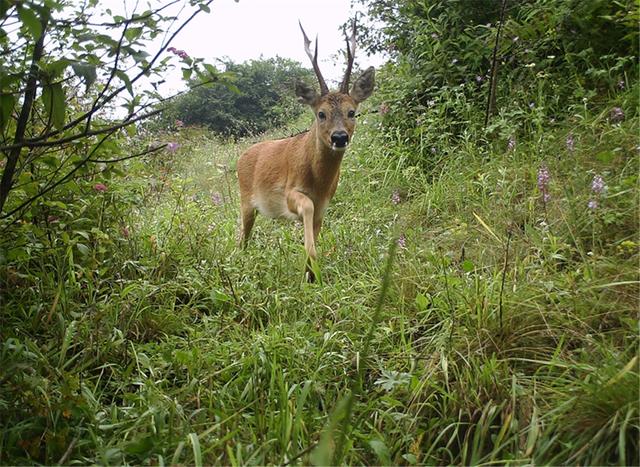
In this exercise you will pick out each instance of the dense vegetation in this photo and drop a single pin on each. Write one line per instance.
(479, 294)
(260, 98)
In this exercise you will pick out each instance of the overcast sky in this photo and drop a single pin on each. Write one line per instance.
(249, 29)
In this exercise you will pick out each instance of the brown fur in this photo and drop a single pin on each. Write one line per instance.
(296, 177)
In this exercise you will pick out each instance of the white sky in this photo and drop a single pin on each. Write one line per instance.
(249, 29)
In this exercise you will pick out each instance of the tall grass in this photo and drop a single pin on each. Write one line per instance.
(508, 333)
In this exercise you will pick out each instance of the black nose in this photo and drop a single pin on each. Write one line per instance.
(340, 138)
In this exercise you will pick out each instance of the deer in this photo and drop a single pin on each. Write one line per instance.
(296, 178)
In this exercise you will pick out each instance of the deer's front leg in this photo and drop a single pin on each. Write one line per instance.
(300, 204)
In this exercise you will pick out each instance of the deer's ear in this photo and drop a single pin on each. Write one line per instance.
(363, 87)
(306, 94)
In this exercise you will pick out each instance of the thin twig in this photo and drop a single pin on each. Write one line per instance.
(491, 99)
(66, 454)
(504, 275)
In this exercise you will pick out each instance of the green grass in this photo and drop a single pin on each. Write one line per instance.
(508, 334)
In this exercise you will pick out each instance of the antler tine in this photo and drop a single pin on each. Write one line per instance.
(351, 53)
(324, 89)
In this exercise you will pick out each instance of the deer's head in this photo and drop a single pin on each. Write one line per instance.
(335, 112)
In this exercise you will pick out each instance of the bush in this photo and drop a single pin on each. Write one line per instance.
(262, 98)
(551, 56)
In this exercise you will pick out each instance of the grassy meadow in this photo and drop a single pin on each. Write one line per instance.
(506, 333)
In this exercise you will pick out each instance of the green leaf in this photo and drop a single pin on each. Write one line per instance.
(468, 266)
(7, 102)
(4, 6)
(31, 21)
(205, 8)
(83, 249)
(422, 302)
(132, 34)
(54, 103)
(195, 445)
(57, 67)
(381, 451)
(125, 79)
(606, 156)
(85, 71)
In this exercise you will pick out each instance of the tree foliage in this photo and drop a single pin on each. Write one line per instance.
(552, 52)
(261, 98)
(75, 78)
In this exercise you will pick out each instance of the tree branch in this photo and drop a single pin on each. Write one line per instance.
(25, 112)
(493, 83)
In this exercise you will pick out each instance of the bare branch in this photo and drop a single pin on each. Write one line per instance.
(133, 156)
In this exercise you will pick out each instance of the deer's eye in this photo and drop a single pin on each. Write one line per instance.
(322, 115)
(351, 114)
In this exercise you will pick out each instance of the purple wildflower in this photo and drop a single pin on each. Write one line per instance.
(125, 232)
(597, 188)
(621, 84)
(395, 197)
(570, 142)
(402, 241)
(178, 52)
(616, 115)
(216, 198)
(172, 147)
(543, 183)
(479, 79)
(597, 185)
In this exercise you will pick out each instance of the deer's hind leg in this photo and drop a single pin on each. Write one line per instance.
(247, 218)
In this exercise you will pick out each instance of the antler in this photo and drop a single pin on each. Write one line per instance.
(351, 53)
(324, 89)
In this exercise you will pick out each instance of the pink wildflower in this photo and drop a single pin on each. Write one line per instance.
(100, 187)
(179, 123)
(543, 183)
(597, 188)
(216, 198)
(402, 241)
(172, 147)
(570, 142)
(395, 197)
(616, 115)
(384, 109)
(597, 185)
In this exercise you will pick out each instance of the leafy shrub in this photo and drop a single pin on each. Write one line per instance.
(550, 54)
(262, 98)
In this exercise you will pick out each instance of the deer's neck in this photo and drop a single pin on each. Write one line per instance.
(324, 162)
